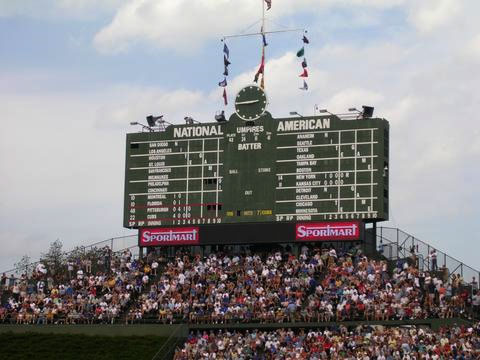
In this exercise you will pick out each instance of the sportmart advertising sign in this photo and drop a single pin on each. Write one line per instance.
(252, 233)
(325, 231)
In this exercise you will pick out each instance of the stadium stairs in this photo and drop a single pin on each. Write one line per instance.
(145, 290)
(395, 245)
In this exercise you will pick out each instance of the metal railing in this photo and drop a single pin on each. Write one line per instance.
(396, 244)
(116, 244)
(167, 350)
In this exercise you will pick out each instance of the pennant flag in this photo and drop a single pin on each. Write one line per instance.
(225, 97)
(225, 61)
(223, 83)
(305, 40)
(269, 4)
(304, 74)
(305, 86)
(226, 71)
(304, 63)
(264, 40)
(225, 50)
(261, 68)
(301, 52)
(263, 37)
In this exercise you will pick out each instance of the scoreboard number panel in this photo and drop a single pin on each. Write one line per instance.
(249, 172)
(264, 170)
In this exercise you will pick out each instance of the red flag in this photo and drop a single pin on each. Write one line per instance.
(225, 97)
(304, 74)
(262, 66)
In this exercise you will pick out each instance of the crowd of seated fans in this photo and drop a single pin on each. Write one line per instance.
(83, 293)
(369, 343)
(318, 285)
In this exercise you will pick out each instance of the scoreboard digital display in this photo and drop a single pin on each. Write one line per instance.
(319, 168)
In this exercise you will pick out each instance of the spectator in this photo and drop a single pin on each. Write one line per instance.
(3, 282)
(362, 343)
(474, 284)
(433, 259)
(70, 265)
(476, 303)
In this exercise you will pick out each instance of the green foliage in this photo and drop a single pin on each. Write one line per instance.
(79, 347)
(54, 259)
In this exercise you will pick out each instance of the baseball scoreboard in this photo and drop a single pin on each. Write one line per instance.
(254, 168)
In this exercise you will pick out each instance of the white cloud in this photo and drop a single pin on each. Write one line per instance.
(423, 82)
(428, 15)
(472, 48)
(57, 9)
(184, 25)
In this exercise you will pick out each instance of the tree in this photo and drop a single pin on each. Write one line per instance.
(24, 265)
(54, 259)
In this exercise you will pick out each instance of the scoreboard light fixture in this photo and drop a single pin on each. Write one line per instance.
(190, 121)
(295, 113)
(325, 111)
(144, 127)
(152, 120)
(367, 111)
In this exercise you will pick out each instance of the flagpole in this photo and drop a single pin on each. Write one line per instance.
(263, 44)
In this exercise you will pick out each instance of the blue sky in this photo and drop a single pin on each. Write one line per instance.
(75, 73)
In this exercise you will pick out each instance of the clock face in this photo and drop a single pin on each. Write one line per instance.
(250, 103)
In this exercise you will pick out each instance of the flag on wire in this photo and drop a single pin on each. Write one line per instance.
(226, 71)
(269, 4)
(225, 61)
(261, 68)
(305, 40)
(223, 83)
(304, 74)
(301, 52)
(225, 97)
(264, 39)
(225, 50)
(305, 86)
(304, 63)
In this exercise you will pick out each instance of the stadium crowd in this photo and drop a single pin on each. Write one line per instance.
(364, 343)
(83, 293)
(318, 285)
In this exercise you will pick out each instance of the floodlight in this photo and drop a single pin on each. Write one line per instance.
(293, 113)
(367, 111)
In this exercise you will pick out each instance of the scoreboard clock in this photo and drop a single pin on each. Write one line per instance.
(250, 103)
(257, 169)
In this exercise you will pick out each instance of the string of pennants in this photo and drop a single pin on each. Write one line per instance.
(226, 64)
(300, 54)
(260, 74)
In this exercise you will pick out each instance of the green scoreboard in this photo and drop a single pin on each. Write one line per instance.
(258, 169)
